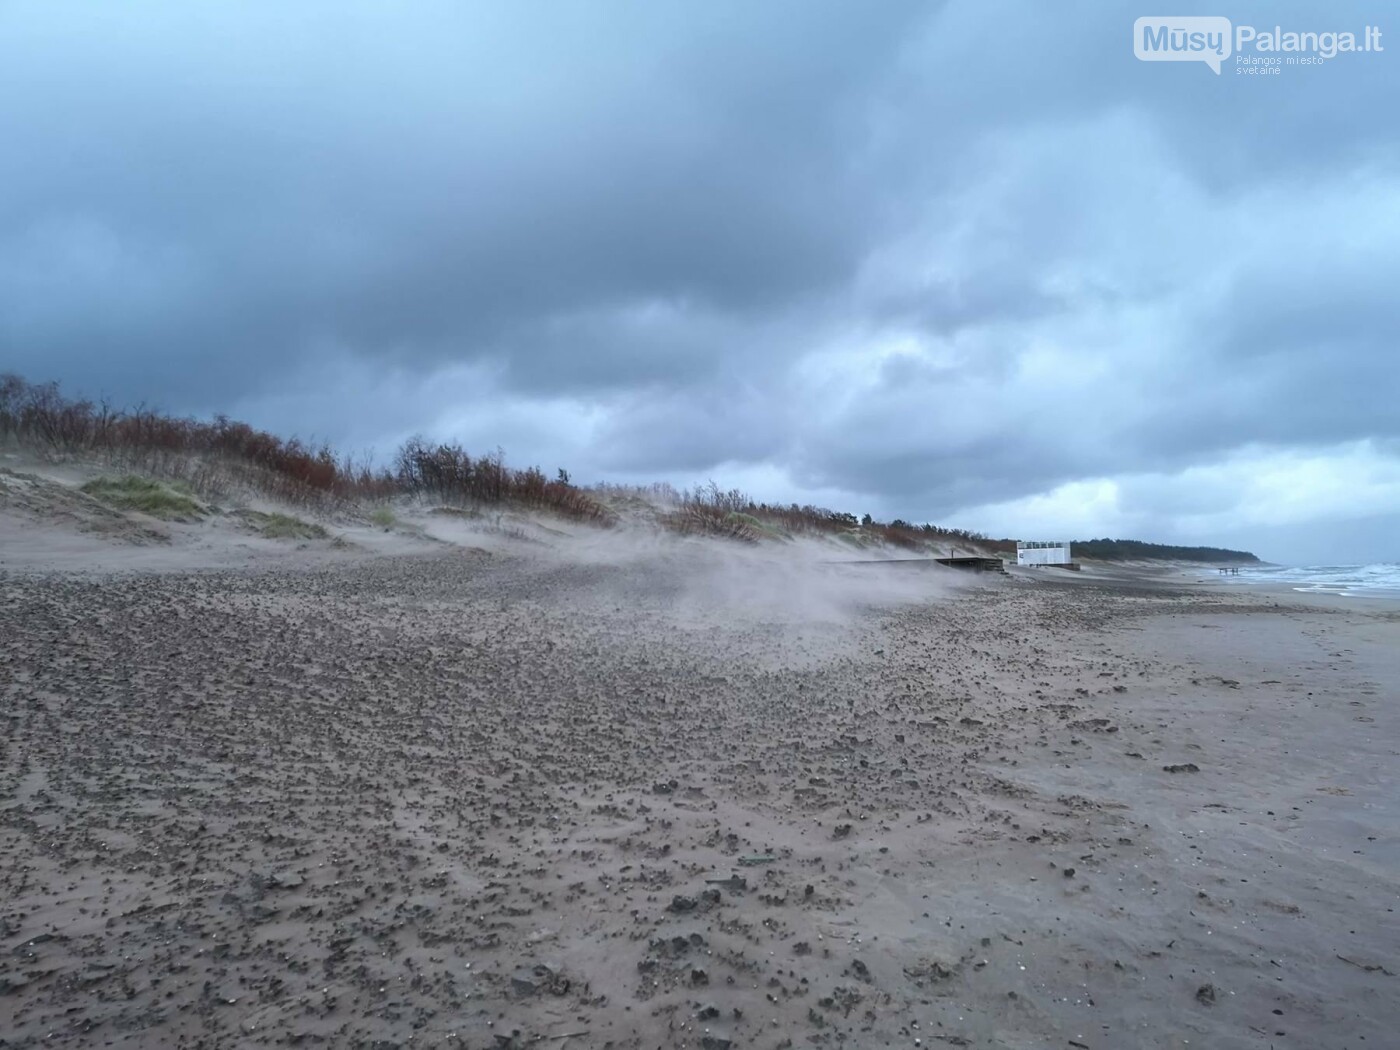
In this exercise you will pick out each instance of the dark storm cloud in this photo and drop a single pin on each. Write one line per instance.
(427, 190)
(933, 255)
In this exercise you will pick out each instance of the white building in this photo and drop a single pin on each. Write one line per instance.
(1042, 552)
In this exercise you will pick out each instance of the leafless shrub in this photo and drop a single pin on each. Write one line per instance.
(449, 475)
(660, 493)
(711, 511)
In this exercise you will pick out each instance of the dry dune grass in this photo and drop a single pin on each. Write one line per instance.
(278, 526)
(132, 492)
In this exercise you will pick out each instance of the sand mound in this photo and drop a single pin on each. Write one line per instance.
(41, 501)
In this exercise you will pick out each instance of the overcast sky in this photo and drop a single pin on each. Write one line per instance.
(966, 262)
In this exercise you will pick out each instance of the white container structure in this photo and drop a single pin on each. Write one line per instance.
(1042, 552)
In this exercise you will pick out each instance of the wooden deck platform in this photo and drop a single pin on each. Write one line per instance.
(969, 563)
(973, 564)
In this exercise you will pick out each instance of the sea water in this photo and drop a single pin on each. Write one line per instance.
(1379, 580)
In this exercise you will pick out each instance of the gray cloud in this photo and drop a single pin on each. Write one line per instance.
(931, 258)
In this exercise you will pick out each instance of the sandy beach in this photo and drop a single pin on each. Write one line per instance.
(688, 796)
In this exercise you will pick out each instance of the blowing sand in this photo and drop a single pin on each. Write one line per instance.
(691, 797)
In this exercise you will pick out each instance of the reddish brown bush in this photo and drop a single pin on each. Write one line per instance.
(39, 416)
